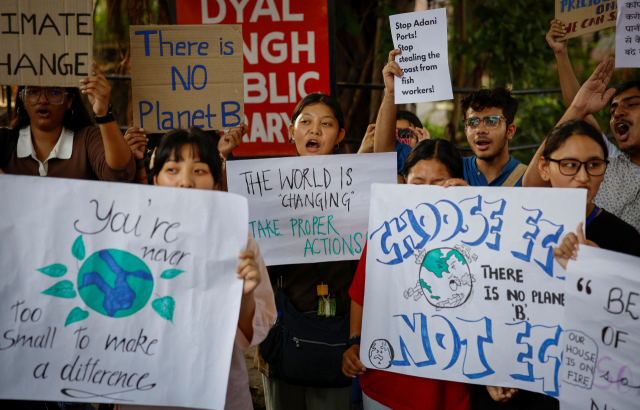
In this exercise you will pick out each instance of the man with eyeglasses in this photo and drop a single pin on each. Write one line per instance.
(488, 125)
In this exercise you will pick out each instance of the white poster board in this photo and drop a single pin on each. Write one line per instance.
(310, 209)
(628, 35)
(118, 293)
(601, 364)
(422, 38)
(461, 283)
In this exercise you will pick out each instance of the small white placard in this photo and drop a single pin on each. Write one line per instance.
(628, 35)
(422, 38)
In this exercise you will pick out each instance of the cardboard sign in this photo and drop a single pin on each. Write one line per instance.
(109, 296)
(46, 43)
(601, 366)
(462, 285)
(422, 38)
(186, 76)
(628, 35)
(286, 57)
(310, 209)
(582, 16)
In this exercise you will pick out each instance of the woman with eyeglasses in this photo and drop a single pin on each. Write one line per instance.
(52, 134)
(575, 156)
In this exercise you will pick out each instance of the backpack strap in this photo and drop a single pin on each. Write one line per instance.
(8, 143)
(515, 176)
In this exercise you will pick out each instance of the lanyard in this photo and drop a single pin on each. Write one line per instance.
(593, 215)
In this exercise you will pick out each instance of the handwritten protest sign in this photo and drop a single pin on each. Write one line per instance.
(600, 369)
(422, 38)
(110, 295)
(310, 209)
(462, 284)
(582, 16)
(628, 35)
(46, 43)
(186, 76)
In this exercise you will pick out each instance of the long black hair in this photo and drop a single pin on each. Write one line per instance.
(201, 143)
(442, 150)
(564, 131)
(74, 119)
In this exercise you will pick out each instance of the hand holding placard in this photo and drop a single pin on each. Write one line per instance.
(187, 76)
(422, 39)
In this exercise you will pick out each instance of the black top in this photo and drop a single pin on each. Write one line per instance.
(299, 283)
(612, 233)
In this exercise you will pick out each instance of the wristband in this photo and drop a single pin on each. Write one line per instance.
(107, 118)
(353, 340)
(140, 164)
(386, 93)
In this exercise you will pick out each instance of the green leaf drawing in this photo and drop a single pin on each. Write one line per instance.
(171, 273)
(164, 306)
(78, 248)
(55, 271)
(62, 289)
(76, 315)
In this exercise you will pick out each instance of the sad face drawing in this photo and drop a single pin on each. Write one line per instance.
(381, 354)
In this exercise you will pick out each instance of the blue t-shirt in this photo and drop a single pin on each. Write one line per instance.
(474, 177)
(403, 151)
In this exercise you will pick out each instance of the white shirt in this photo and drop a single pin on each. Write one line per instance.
(62, 150)
(620, 190)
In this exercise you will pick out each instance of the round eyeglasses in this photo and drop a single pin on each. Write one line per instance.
(491, 121)
(570, 167)
(31, 95)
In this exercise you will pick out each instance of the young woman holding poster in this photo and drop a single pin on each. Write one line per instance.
(305, 373)
(190, 159)
(431, 162)
(52, 134)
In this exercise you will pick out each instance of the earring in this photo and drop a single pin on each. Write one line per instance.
(291, 141)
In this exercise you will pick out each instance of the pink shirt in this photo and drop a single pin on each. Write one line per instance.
(238, 394)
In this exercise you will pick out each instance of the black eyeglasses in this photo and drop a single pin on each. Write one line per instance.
(31, 95)
(491, 121)
(570, 167)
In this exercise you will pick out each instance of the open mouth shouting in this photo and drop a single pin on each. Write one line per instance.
(313, 145)
(43, 113)
(622, 129)
(482, 143)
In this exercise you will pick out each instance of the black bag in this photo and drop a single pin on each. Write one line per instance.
(306, 349)
(8, 143)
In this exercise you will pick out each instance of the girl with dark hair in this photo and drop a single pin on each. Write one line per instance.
(576, 156)
(431, 162)
(317, 128)
(190, 159)
(317, 125)
(51, 134)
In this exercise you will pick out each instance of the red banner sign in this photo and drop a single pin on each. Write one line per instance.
(286, 57)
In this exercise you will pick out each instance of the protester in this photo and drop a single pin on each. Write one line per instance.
(190, 159)
(620, 191)
(314, 380)
(431, 162)
(575, 156)
(138, 140)
(488, 125)
(52, 134)
(406, 122)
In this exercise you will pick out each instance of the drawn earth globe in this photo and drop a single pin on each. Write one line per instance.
(115, 283)
(445, 278)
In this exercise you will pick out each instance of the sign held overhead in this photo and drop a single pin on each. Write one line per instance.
(582, 17)
(46, 43)
(186, 76)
